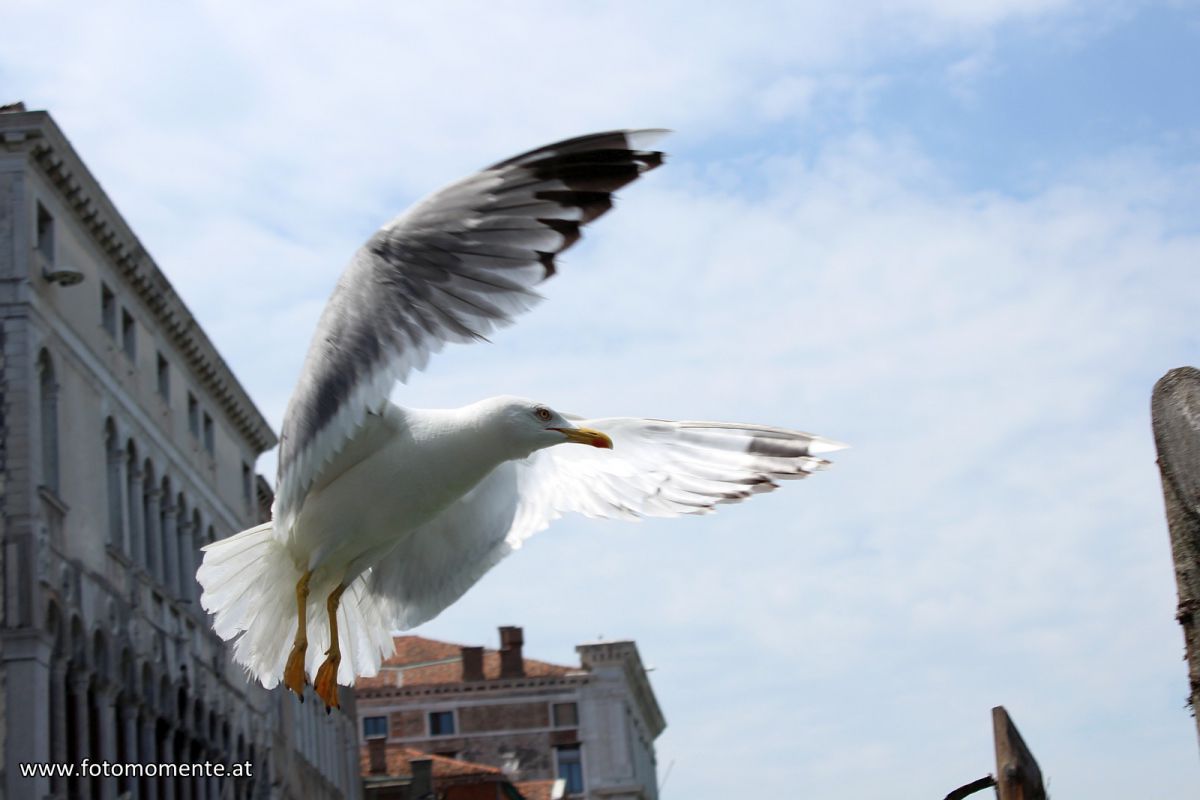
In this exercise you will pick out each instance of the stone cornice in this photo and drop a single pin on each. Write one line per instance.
(471, 687)
(625, 654)
(36, 134)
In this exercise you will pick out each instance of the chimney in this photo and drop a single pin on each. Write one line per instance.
(422, 777)
(377, 754)
(472, 664)
(512, 663)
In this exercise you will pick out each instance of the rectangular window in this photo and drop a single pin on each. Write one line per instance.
(45, 233)
(441, 723)
(128, 334)
(247, 482)
(570, 767)
(193, 415)
(375, 727)
(108, 310)
(566, 715)
(164, 378)
(208, 433)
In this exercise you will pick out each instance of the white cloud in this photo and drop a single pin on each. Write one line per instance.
(994, 536)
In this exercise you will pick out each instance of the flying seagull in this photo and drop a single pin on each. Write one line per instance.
(386, 515)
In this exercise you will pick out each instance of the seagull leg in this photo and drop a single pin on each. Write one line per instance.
(326, 682)
(294, 676)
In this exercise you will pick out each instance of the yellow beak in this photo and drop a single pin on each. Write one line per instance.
(586, 436)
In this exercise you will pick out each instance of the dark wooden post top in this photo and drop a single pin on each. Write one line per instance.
(1175, 415)
(1018, 776)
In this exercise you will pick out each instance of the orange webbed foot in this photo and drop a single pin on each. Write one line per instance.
(326, 682)
(294, 676)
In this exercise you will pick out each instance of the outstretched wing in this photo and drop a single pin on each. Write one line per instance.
(456, 265)
(659, 468)
(655, 469)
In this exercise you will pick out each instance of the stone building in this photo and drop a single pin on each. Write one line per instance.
(126, 444)
(592, 725)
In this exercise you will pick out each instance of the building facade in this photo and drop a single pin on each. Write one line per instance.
(126, 444)
(592, 725)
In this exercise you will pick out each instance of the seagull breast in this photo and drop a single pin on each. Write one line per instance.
(402, 469)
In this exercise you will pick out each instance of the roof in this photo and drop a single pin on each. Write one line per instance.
(419, 661)
(537, 790)
(399, 760)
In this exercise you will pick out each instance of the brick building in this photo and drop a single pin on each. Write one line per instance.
(592, 725)
(126, 444)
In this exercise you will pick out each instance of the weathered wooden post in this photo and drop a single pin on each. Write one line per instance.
(1175, 415)
(1018, 776)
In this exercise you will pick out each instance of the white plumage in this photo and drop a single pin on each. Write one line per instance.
(407, 508)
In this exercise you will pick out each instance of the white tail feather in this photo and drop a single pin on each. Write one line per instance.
(249, 583)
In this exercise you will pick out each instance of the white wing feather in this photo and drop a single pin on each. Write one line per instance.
(659, 468)
(656, 468)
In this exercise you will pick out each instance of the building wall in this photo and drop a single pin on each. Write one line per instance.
(509, 728)
(619, 721)
(109, 491)
(509, 723)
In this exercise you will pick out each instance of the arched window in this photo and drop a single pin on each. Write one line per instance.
(166, 537)
(183, 532)
(48, 402)
(133, 502)
(112, 459)
(150, 544)
(197, 556)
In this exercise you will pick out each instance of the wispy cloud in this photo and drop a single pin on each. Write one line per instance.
(806, 259)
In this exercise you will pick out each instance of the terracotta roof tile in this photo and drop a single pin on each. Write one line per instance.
(419, 661)
(398, 758)
(536, 790)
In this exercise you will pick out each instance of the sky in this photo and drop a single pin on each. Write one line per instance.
(960, 236)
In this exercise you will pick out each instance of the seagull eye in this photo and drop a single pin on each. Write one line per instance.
(543, 414)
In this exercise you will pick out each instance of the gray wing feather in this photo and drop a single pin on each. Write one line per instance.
(455, 266)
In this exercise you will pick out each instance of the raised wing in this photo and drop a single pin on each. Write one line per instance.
(456, 265)
(659, 468)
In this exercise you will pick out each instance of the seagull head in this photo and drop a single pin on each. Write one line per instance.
(534, 426)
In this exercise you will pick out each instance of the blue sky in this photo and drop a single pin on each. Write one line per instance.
(959, 236)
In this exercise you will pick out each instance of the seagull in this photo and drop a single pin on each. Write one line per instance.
(388, 514)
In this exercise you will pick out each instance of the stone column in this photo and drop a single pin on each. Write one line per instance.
(153, 536)
(149, 753)
(116, 499)
(215, 784)
(58, 711)
(188, 589)
(200, 789)
(187, 785)
(26, 656)
(133, 513)
(129, 719)
(106, 698)
(83, 727)
(170, 545)
(167, 756)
